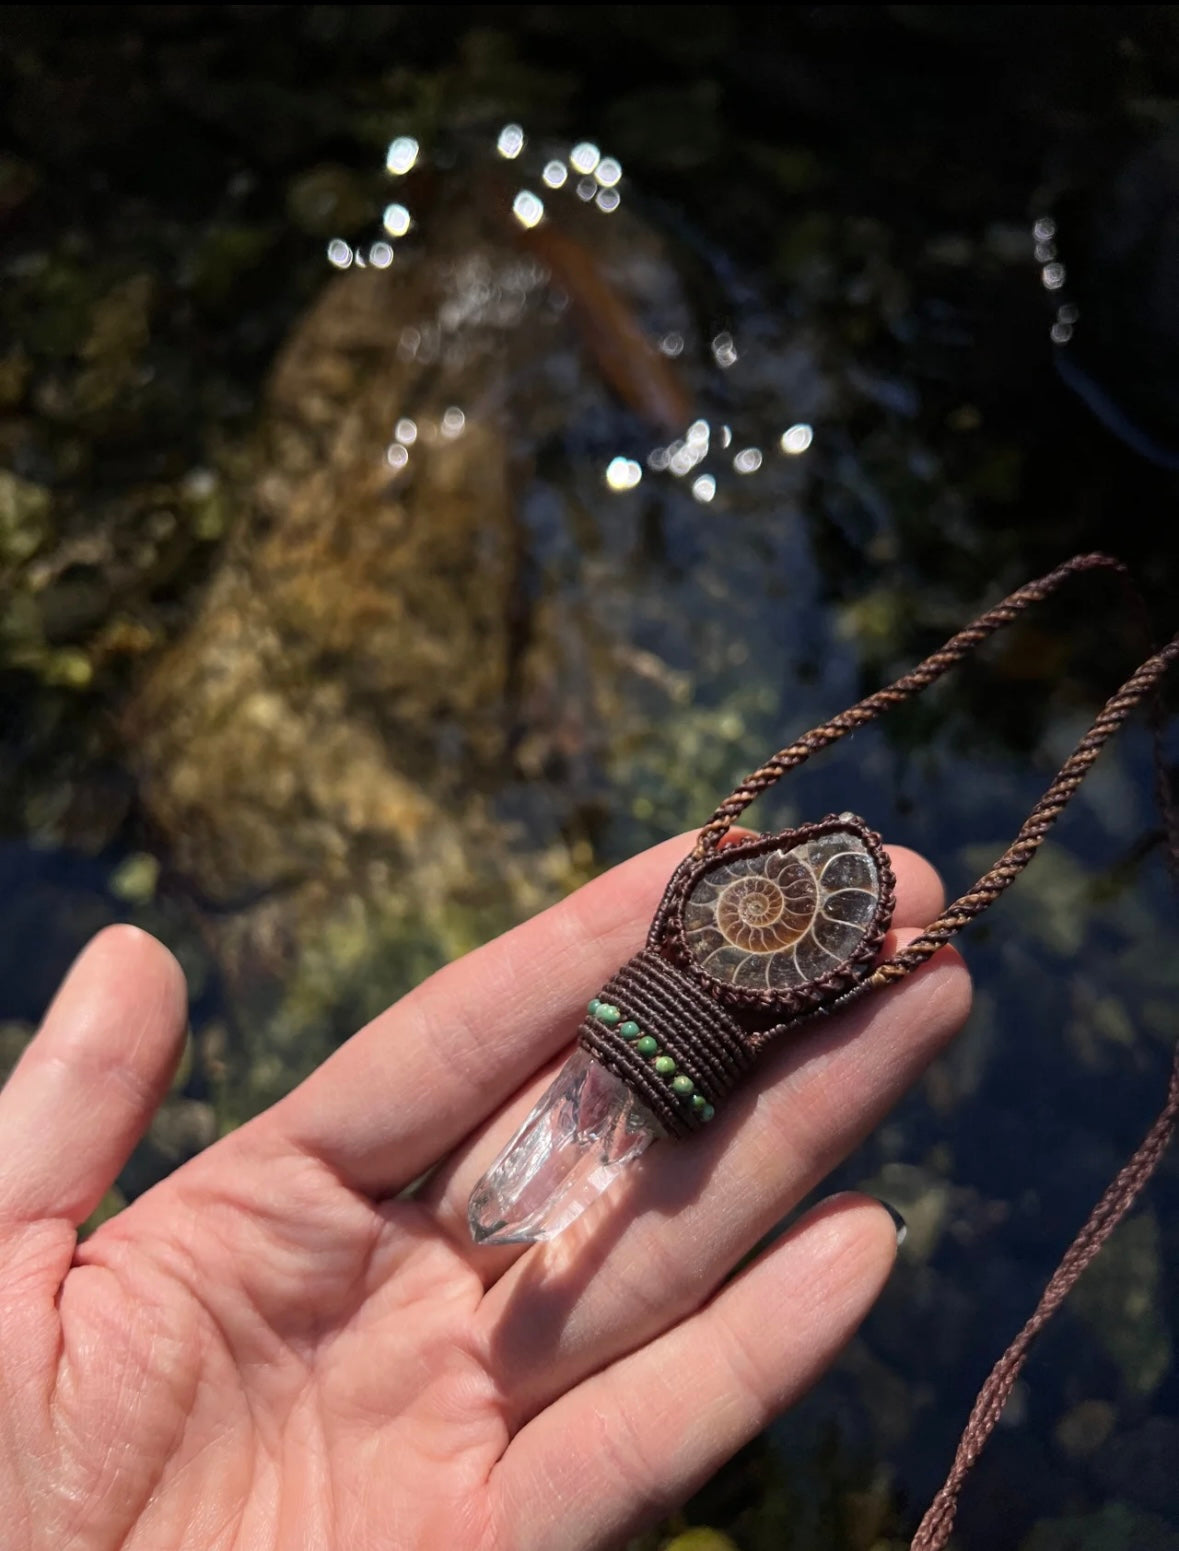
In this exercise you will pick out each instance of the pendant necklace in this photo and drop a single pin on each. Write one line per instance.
(753, 938)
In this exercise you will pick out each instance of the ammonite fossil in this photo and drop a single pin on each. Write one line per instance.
(786, 921)
(774, 920)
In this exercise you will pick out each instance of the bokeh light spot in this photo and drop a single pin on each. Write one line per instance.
(797, 439)
(724, 351)
(623, 474)
(584, 157)
(528, 208)
(402, 155)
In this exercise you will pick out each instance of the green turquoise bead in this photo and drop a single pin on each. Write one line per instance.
(647, 1046)
(629, 1029)
(593, 1006)
(707, 1112)
(608, 1014)
(698, 1101)
(664, 1065)
(682, 1085)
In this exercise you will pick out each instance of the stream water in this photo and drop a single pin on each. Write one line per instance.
(380, 559)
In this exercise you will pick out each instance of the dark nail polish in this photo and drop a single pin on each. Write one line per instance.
(899, 1222)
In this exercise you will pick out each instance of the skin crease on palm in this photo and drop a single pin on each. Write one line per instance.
(270, 1350)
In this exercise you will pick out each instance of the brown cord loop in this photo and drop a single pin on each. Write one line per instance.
(937, 1525)
(902, 689)
(1037, 824)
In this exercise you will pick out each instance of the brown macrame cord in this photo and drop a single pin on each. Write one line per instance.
(937, 1524)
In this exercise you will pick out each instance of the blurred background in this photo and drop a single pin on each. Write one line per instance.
(443, 448)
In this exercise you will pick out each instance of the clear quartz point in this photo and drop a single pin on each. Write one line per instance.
(580, 1136)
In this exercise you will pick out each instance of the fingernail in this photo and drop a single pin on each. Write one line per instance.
(899, 1222)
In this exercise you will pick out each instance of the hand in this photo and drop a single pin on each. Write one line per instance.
(271, 1349)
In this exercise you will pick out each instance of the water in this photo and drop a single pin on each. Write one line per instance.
(837, 227)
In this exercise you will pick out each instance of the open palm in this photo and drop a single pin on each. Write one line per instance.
(272, 1350)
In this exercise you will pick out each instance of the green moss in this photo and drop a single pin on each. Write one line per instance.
(135, 878)
(25, 524)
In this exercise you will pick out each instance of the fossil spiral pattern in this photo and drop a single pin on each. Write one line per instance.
(776, 921)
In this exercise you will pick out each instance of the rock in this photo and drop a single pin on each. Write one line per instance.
(24, 518)
(1082, 1430)
(119, 332)
(322, 752)
(182, 1127)
(135, 878)
(77, 602)
(923, 1200)
(357, 633)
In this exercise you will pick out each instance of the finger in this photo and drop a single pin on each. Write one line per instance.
(419, 1078)
(84, 1091)
(920, 898)
(634, 1440)
(649, 1256)
(921, 894)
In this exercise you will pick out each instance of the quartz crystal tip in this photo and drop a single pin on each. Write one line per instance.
(489, 1227)
(581, 1134)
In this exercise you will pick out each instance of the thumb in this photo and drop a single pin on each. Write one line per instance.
(86, 1088)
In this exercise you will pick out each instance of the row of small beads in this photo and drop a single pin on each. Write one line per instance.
(647, 1045)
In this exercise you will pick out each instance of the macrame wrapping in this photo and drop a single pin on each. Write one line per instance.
(823, 894)
(705, 1041)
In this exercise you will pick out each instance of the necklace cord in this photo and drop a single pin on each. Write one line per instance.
(936, 1526)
